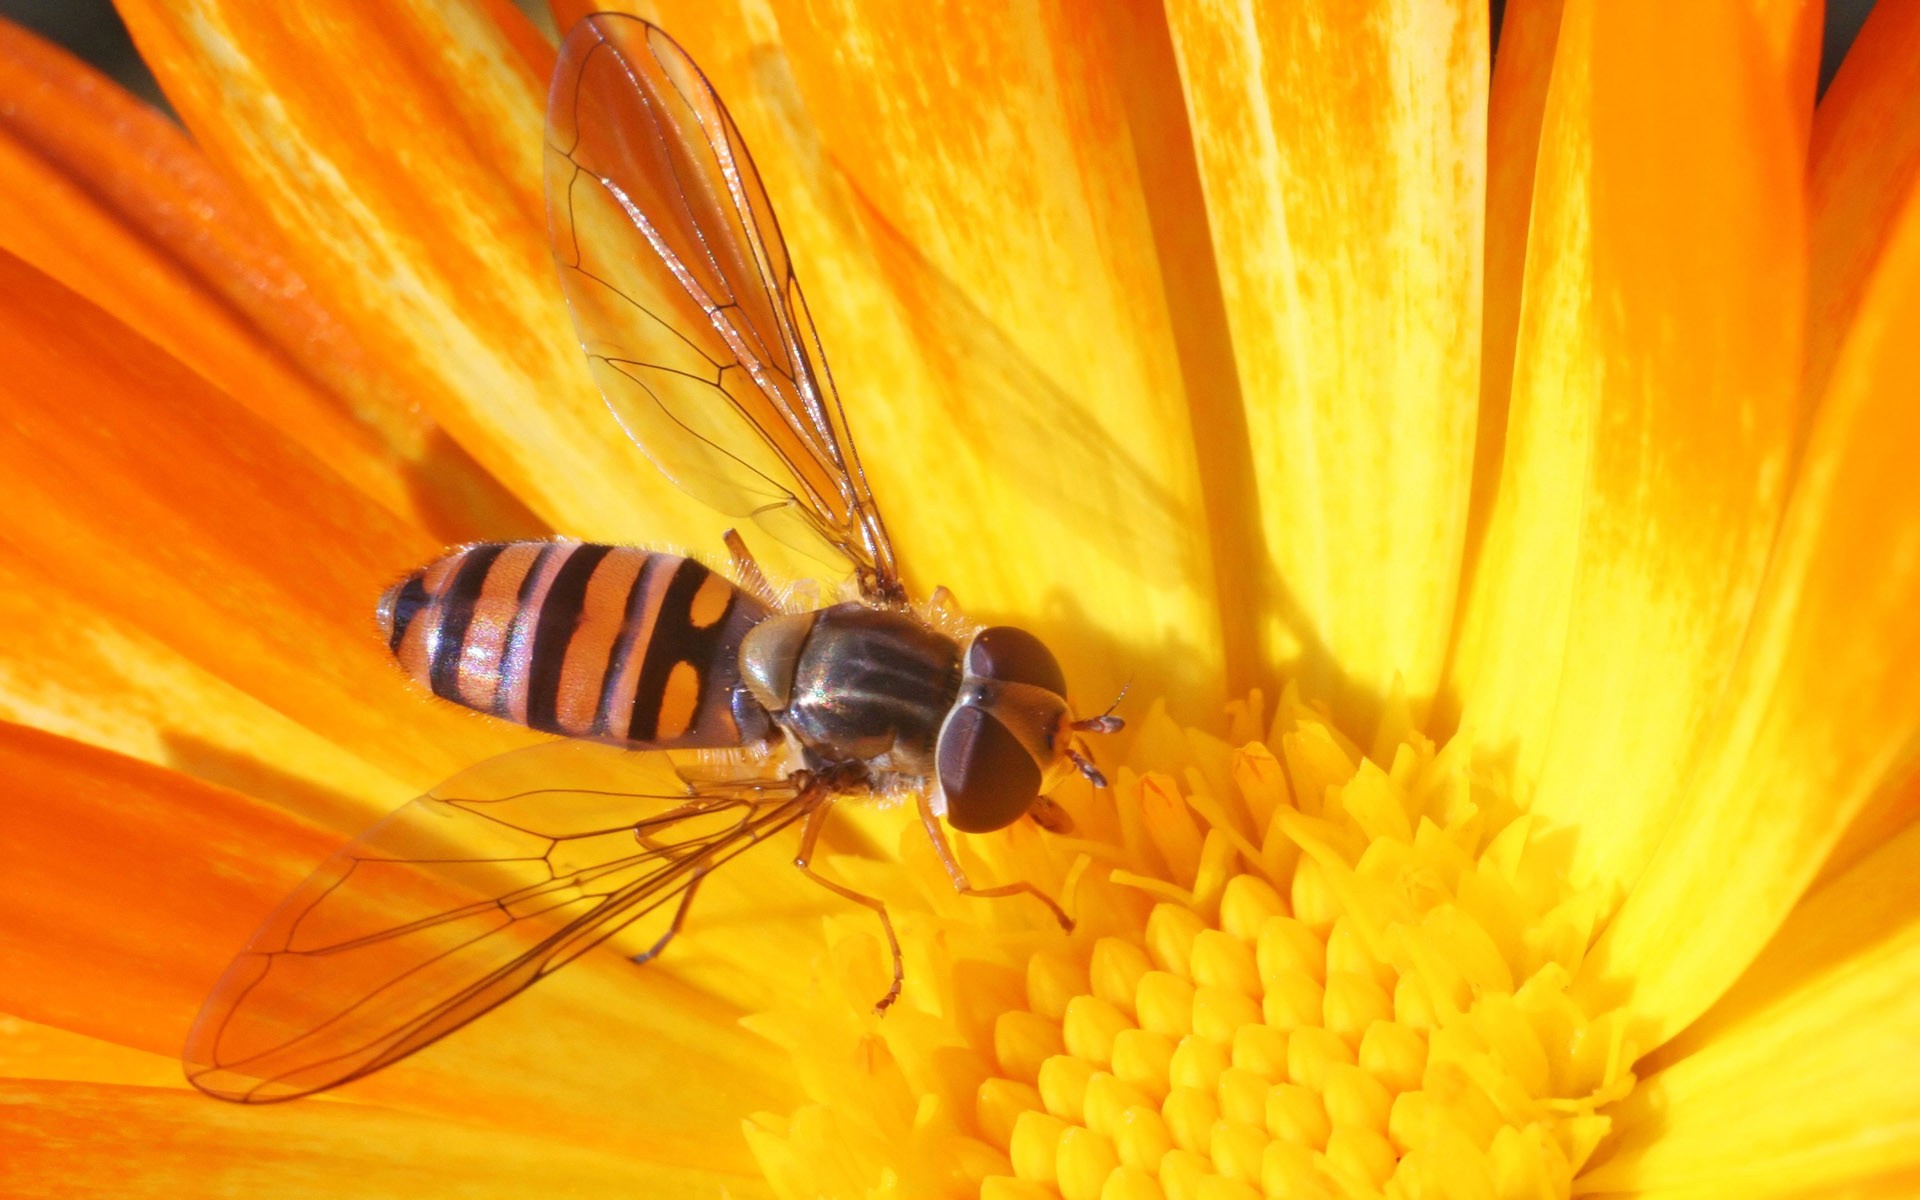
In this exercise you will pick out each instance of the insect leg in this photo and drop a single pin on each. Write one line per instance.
(943, 606)
(809, 834)
(746, 570)
(960, 883)
(679, 915)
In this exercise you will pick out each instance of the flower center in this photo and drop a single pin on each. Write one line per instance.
(1302, 973)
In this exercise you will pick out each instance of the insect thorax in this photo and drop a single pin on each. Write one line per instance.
(852, 683)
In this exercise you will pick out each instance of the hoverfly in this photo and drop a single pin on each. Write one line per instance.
(694, 325)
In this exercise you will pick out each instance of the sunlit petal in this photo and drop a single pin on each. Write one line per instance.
(113, 925)
(192, 520)
(411, 202)
(1796, 1082)
(126, 888)
(30, 1050)
(1343, 153)
(1825, 699)
(81, 1139)
(1651, 420)
(84, 666)
(1163, 331)
(1004, 335)
(110, 198)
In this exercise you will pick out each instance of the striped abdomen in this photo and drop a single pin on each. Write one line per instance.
(604, 642)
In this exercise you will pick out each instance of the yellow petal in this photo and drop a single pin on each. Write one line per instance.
(1343, 155)
(1650, 422)
(1824, 702)
(1798, 1082)
(411, 201)
(969, 206)
(1862, 163)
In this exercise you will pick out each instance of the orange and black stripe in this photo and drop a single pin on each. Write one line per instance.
(606, 642)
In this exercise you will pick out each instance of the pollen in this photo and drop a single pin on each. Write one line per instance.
(1298, 969)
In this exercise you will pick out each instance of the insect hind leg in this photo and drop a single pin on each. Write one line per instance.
(643, 833)
(679, 918)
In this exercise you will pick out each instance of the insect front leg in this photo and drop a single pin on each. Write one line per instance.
(960, 883)
(809, 834)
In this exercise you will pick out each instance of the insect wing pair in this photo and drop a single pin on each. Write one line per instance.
(698, 336)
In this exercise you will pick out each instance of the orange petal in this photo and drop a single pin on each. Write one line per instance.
(1515, 105)
(110, 198)
(1343, 152)
(81, 666)
(1791, 32)
(1825, 701)
(71, 1139)
(1651, 419)
(992, 292)
(114, 925)
(1893, 807)
(1798, 1082)
(398, 150)
(34, 1051)
(126, 889)
(179, 514)
(1861, 165)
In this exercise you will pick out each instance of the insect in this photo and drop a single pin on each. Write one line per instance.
(697, 333)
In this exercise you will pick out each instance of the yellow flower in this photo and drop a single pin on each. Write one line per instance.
(1537, 440)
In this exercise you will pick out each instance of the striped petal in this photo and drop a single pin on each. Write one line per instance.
(1862, 164)
(977, 212)
(1796, 1082)
(1825, 701)
(175, 512)
(1343, 154)
(411, 204)
(1650, 424)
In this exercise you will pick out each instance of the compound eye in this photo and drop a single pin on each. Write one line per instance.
(1015, 656)
(987, 775)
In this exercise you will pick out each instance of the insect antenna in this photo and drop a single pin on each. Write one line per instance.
(1106, 722)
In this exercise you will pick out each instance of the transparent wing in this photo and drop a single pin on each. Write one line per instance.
(686, 302)
(459, 901)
